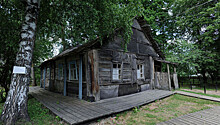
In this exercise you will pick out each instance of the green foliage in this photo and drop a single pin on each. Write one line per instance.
(198, 22)
(77, 22)
(162, 24)
(11, 13)
(135, 110)
(185, 54)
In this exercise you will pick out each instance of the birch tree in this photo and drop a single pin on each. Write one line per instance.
(16, 103)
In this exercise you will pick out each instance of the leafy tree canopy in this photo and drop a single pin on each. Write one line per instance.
(199, 23)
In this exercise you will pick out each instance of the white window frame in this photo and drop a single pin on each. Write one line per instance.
(73, 75)
(140, 71)
(116, 71)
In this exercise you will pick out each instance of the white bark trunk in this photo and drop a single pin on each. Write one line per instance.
(16, 103)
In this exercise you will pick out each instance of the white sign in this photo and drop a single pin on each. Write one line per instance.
(19, 70)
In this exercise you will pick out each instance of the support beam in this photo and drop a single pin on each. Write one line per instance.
(44, 76)
(41, 75)
(169, 80)
(64, 80)
(80, 78)
(50, 77)
(152, 71)
(175, 79)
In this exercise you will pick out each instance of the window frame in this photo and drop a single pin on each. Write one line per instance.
(138, 68)
(74, 63)
(119, 71)
(60, 76)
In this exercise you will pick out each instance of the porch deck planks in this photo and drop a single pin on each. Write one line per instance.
(207, 117)
(67, 109)
(134, 100)
(81, 106)
(75, 111)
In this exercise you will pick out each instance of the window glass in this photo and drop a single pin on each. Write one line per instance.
(116, 72)
(73, 71)
(140, 71)
(60, 72)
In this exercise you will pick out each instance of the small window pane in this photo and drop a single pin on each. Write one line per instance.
(114, 65)
(73, 71)
(119, 66)
(140, 71)
(116, 72)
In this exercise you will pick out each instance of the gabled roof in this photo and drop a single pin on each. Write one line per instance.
(147, 31)
(143, 26)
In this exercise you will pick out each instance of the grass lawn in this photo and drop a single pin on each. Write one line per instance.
(161, 110)
(38, 114)
(200, 93)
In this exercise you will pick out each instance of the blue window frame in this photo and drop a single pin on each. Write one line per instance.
(73, 71)
(60, 72)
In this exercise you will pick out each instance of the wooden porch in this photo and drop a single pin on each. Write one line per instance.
(75, 111)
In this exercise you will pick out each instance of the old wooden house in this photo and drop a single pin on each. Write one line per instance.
(94, 71)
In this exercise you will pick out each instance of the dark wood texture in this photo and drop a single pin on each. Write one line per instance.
(75, 111)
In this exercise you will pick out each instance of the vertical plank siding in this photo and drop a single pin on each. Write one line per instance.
(94, 64)
(169, 79)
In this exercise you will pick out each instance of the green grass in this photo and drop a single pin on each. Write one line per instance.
(39, 115)
(161, 110)
(207, 88)
(216, 96)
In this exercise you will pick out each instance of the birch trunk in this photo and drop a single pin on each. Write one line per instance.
(15, 106)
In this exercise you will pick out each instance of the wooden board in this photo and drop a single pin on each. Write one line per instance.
(75, 111)
(204, 117)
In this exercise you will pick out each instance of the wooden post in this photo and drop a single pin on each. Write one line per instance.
(175, 79)
(190, 85)
(152, 72)
(200, 83)
(168, 72)
(80, 78)
(193, 79)
(50, 77)
(64, 87)
(216, 87)
(54, 72)
(41, 74)
(44, 76)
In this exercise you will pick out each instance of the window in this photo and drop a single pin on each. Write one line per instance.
(116, 72)
(73, 71)
(60, 72)
(140, 71)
